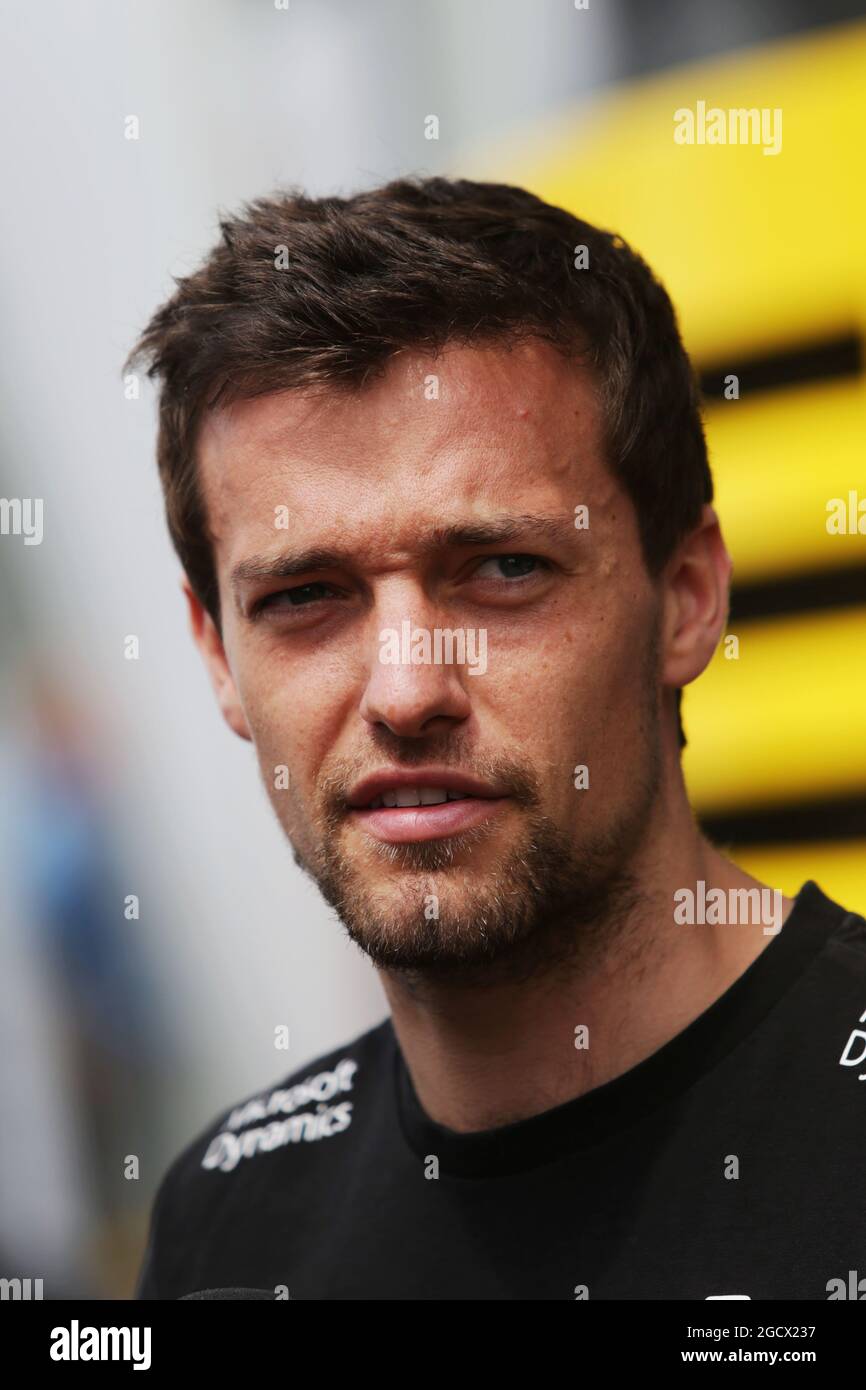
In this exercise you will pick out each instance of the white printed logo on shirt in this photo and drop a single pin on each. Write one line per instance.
(227, 1148)
(857, 1039)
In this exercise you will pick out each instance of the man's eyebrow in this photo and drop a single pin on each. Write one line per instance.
(503, 528)
(285, 566)
(259, 568)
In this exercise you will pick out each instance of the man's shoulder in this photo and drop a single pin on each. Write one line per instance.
(313, 1102)
(308, 1102)
(842, 929)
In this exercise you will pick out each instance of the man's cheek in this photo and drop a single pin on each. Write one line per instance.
(291, 809)
(279, 737)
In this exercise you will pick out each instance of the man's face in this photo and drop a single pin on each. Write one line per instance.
(442, 497)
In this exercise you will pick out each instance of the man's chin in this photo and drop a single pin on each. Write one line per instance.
(426, 905)
(468, 906)
(431, 927)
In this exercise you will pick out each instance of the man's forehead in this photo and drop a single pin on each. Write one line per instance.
(489, 385)
(478, 426)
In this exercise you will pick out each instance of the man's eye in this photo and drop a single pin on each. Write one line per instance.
(298, 597)
(510, 566)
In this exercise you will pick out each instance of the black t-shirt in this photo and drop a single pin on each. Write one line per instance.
(732, 1161)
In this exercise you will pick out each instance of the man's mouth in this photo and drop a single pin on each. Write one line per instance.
(415, 796)
(404, 807)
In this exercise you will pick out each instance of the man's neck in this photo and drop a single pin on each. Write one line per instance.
(480, 1058)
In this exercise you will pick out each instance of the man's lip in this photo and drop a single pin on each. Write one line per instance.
(392, 779)
(400, 825)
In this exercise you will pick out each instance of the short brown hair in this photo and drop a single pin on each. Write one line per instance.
(419, 263)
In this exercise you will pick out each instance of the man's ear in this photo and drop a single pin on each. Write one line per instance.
(696, 598)
(210, 645)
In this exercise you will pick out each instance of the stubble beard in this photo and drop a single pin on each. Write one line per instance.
(549, 907)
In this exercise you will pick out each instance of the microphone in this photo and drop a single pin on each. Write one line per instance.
(238, 1295)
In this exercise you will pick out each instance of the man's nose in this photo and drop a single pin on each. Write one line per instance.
(409, 697)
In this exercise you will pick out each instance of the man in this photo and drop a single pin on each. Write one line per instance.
(435, 470)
